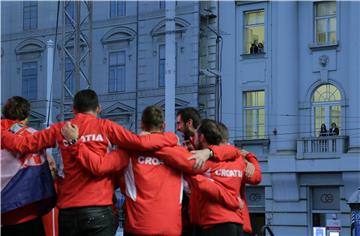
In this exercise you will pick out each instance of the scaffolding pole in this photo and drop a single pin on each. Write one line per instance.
(76, 51)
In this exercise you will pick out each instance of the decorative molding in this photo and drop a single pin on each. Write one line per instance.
(181, 26)
(323, 60)
(317, 47)
(252, 142)
(118, 109)
(178, 103)
(118, 34)
(30, 46)
(70, 43)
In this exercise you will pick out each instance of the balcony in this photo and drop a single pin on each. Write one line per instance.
(321, 147)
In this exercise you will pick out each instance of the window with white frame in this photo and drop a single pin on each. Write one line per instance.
(161, 68)
(254, 30)
(254, 114)
(117, 67)
(29, 80)
(326, 105)
(325, 22)
(69, 78)
(30, 15)
(117, 8)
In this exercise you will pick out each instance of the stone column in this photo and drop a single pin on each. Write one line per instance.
(353, 110)
(285, 75)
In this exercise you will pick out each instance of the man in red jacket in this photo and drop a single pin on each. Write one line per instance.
(252, 176)
(213, 217)
(18, 176)
(187, 121)
(83, 208)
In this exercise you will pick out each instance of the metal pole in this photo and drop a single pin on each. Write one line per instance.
(90, 8)
(170, 67)
(77, 44)
(63, 35)
(49, 74)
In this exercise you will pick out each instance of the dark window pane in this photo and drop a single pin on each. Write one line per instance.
(117, 71)
(29, 80)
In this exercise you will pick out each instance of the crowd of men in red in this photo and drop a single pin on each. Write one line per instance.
(197, 188)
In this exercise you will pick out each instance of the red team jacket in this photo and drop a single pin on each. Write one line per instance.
(226, 198)
(78, 187)
(207, 205)
(153, 189)
(232, 152)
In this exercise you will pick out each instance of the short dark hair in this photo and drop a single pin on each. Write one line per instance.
(224, 131)
(211, 131)
(86, 100)
(152, 118)
(16, 108)
(188, 113)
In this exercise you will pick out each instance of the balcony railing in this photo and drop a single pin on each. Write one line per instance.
(322, 147)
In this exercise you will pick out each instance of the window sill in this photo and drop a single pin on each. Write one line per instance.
(320, 47)
(116, 92)
(253, 56)
(256, 142)
(116, 17)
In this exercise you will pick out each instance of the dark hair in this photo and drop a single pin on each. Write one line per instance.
(152, 118)
(190, 113)
(86, 100)
(224, 132)
(211, 131)
(16, 108)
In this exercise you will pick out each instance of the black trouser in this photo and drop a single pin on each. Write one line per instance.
(86, 221)
(33, 227)
(196, 230)
(228, 229)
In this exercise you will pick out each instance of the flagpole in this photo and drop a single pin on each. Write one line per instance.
(49, 74)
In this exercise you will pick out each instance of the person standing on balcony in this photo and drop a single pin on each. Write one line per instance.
(323, 130)
(334, 130)
(323, 142)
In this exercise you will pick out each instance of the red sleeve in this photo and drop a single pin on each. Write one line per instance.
(124, 138)
(177, 157)
(256, 177)
(101, 165)
(224, 152)
(40, 140)
(215, 191)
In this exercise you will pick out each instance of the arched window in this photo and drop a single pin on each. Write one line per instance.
(326, 107)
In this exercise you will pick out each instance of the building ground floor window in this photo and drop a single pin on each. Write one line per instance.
(324, 211)
(255, 197)
(257, 222)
